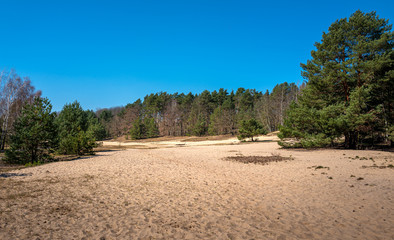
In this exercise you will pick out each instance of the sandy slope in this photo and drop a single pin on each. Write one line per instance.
(191, 192)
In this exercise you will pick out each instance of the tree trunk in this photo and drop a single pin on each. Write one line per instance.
(4, 131)
(351, 140)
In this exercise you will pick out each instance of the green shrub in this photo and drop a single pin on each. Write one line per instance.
(315, 141)
(82, 143)
(33, 164)
(250, 128)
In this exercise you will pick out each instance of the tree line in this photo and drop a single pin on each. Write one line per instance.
(34, 133)
(38, 133)
(347, 99)
(348, 94)
(208, 113)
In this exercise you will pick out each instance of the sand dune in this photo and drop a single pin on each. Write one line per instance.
(192, 193)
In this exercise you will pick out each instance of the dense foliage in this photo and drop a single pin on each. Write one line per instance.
(38, 132)
(34, 136)
(350, 86)
(144, 129)
(250, 128)
(76, 130)
(213, 113)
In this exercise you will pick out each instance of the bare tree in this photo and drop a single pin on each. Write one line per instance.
(15, 93)
(171, 122)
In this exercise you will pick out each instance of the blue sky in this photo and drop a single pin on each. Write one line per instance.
(110, 53)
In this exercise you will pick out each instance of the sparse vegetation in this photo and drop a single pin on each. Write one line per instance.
(319, 167)
(258, 159)
(361, 158)
(380, 167)
(33, 164)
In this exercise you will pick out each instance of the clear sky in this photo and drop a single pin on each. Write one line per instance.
(110, 53)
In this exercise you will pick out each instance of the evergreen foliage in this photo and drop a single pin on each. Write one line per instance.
(222, 120)
(150, 128)
(76, 133)
(138, 129)
(144, 129)
(199, 128)
(250, 128)
(34, 136)
(215, 113)
(106, 115)
(95, 126)
(350, 86)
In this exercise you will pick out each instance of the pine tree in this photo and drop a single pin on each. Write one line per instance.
(349, 89)
(216, 124)
(95, 126)
(250, 128)
(150, 127)
(34, 137)
(75, 137)
(138, 129)
(199, 128)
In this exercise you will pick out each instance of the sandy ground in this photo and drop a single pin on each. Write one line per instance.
(183, 142)
(173, 143)
(190, 192)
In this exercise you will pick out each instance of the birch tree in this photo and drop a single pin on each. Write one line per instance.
(15, 93)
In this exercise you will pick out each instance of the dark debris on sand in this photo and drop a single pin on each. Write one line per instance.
(258, 159)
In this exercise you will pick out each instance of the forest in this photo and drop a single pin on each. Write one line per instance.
(208, 113)
(158, 114)
(346, 100)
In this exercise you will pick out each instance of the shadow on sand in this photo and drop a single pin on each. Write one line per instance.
(8, 175)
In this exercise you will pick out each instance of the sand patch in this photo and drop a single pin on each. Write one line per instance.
(191, 193)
